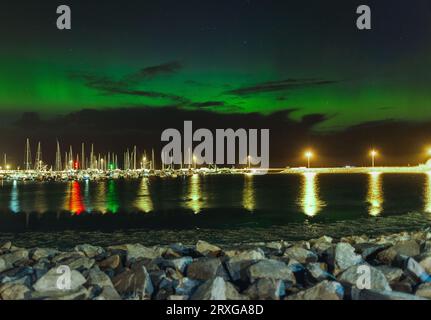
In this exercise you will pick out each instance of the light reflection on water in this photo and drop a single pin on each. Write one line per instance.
(201, 192)
(248, 200)
(375, 193)
(194, 196)
(309, 196)
(143, 199)
(14, 201)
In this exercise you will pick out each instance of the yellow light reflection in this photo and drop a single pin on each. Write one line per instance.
(194, 194)
(248, 201)
(309, 198)
(143, 200)
(375, 193)
(427, 192)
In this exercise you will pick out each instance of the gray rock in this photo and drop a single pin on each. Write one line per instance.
(270, 269)
(416, 271)
(137, 251)
(424, 290)
(98, 278)
(369, 250)
(89, 250)
(79, 263)
(6, 246)
(391, 274)
(354, 274)
(409, 248)
(181, 263)
(112, 262)
(205, 269)
(18, 275)
(208, 249)
(425, 263)
(43, 253)
(216, 289)
(12, 291)
(325, 290)
(52, 282)
(134, 281)
(345, 257)
(317, 273)
(8, 260)
(301, 255)
(266, 289)
(186, 286)
(321, 244)
(108, 293)
(243, 255)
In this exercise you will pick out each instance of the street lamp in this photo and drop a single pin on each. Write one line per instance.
(373, 154)
(308, 155)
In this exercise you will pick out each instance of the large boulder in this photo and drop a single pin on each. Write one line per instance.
(266, 289)
(354, 275)
(216, 289)
(208, 249)
(318, 273)
(11, 291)
(424, 290)
(270, 269)
(137, 251)
(111, 262)
(98, 278)
(186, 286)
(89, 250)
(58, 281)
(239, 261)
(134, 281)
(43, 253)
(325, 290)
(205, 269)
(108, 293)
(391, 274)
(344, 257)
(8, 260)
(301, 255)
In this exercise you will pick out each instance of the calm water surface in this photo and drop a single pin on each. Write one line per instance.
(220, 208)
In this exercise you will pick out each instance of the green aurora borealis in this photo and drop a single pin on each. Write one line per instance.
(382, 74)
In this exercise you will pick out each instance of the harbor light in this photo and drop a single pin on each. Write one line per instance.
(308, 155)
(373, 154)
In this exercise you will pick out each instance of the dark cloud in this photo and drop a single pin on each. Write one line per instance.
(282, 85)
(153, 71)
(128, 84)
(207, 104)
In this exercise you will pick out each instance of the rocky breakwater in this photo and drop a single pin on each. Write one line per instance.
(389, 267)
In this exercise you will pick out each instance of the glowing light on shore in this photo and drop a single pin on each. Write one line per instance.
(309, 198)
(248, 199)
(375, 193)
(373, 154)
(308, 154)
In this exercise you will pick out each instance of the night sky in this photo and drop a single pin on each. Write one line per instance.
(129, 69)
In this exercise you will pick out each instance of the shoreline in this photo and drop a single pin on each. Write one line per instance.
(399, 266)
